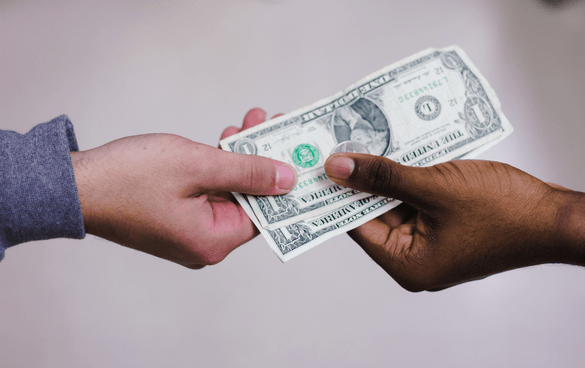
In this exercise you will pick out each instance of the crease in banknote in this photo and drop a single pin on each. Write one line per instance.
(430, 108)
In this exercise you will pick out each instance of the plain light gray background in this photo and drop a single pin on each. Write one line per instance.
(193, 68)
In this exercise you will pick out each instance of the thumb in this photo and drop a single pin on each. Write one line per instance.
(234, 172)
(384, 177)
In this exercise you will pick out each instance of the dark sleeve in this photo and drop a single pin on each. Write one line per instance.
(38, 195)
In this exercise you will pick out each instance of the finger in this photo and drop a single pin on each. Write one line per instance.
(398, 215)
(381, 176)
(211, 228)
(378, 230)
(221, 171)
(229, 131)
(387, 246)
(443, 287)
(277, 115)
(254, 117)
(375, 231)
(231, 227)
(193, 266)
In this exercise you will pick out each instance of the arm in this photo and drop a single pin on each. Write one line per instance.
(169, 196)
(462, 220)
(38, 197)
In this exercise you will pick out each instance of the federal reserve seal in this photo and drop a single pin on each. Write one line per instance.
(305, 155)
(427, 108)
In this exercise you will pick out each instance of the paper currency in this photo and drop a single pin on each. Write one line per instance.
(430, 108)
(424, 110)
(292, 240)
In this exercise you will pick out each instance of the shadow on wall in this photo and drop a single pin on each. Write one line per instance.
(558, 3)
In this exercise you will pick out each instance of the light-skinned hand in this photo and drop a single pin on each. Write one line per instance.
(169, 196)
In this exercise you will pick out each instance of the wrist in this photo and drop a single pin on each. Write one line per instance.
(81, 171)
(570, 226)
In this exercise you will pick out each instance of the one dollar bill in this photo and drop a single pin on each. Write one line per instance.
(295, 239)
(424, 110)
(430, 108)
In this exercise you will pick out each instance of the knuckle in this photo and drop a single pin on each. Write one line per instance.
(416, 283)
(213, 258)
(196, 254)
(258, 175)
(249, 174)
(449, 181)
(445, 172)
(193, 266)
(380, 175)
(419, 272)
(411, 286)
(211, 254)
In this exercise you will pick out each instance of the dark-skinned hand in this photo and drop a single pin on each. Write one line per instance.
(462, 220)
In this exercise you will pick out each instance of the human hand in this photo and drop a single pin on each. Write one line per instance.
(254, 117)
(462, 220)
(168, 196)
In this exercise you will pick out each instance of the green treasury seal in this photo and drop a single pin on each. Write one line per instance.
(305, 155)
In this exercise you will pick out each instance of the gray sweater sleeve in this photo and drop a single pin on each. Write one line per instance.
(38, 195)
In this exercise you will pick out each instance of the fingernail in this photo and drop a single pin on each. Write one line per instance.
(286, 177)
(340, 167)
